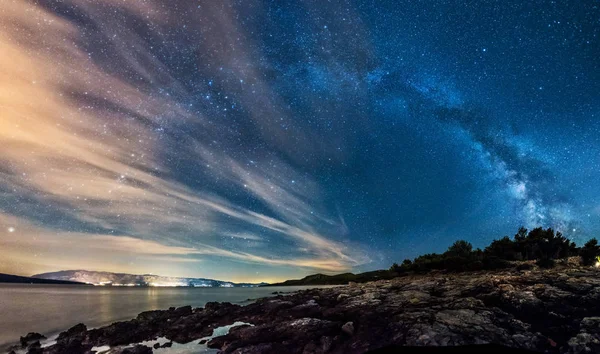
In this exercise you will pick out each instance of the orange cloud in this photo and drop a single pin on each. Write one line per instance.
(86, 143)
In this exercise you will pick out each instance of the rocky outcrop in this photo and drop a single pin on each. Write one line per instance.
(30, 338)
(553, 311)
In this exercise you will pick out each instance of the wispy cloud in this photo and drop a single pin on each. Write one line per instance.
(87, 149)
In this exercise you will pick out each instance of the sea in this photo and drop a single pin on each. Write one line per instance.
(50, 309)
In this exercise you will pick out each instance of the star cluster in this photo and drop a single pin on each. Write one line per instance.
(263, 140)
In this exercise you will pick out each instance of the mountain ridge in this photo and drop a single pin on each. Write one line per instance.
(339, 279)
(126, 279)
(18, 279)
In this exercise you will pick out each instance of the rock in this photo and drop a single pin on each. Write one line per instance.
(30, 337)
(164, 345)
(237, 328)
(583, 343)
(275, 305)
(538, 310)
(290, 334)
(35, 344)
(588, 339)
(590, 325)
(342, 297)
(310, 348)
(72, 340)
(326, 343)
(308, 309)
(73, 331)
(137, 349)
(348, 328)
(182, 311)
(203, 341)
(35, 348)
(148, 316)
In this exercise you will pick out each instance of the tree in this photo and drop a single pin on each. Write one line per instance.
(521, 234)
(460, 248)
(542, 243)
(589, 252)
(573, 249)
(503, 248)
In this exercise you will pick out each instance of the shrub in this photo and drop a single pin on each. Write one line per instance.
(589, 252)
(460, 248)
(455, 264)
(544, 246)
(504, 248)
(491, 263)
(545, 263)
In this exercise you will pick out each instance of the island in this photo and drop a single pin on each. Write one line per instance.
(17, 279)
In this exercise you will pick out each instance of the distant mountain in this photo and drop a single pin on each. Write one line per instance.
(339, 279)
(9, 278)
(122, 279)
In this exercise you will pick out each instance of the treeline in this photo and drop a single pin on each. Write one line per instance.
(544, 246)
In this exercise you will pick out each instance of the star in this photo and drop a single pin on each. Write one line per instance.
(394, 131)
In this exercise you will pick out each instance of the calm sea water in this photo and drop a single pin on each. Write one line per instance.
(49, 309)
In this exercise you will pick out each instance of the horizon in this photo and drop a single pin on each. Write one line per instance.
(146, 274)
(266, 141)
(255, 281)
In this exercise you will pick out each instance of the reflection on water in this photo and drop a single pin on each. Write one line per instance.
(49, 309)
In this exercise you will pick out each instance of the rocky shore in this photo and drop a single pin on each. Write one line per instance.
(553, 311)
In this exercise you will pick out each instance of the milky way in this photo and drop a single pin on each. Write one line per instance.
(263, 140)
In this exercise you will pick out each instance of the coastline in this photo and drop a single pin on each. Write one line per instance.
(555, 311)
(50, 309)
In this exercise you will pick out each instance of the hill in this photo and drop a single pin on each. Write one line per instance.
(339, 279)
(9, 278)
(123, 279)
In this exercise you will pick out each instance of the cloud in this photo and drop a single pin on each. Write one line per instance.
(21, 240)
(243, 235)
(94, 128)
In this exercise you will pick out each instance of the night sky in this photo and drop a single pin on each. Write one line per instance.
(266, 140)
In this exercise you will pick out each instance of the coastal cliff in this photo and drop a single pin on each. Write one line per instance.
(554, 311)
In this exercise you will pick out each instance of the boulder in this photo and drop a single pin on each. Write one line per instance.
(137, 349)
(30, 338)
(348, 328)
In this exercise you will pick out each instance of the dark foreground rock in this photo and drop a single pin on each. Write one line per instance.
(553, 311)
(30, 337)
